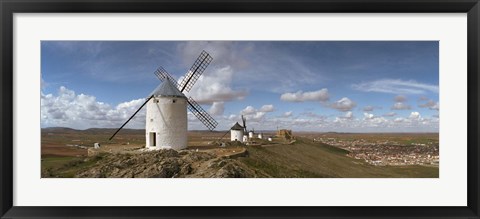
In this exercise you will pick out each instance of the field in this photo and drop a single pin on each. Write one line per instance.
(307, 159)
(65, 154)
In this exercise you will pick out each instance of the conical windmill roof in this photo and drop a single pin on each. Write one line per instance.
(168, 89)
(237, 127)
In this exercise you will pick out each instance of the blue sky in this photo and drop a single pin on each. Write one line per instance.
(358, 86)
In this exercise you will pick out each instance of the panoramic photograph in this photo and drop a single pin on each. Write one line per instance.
(239, 109)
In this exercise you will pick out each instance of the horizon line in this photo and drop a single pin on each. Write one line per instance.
(206, 130)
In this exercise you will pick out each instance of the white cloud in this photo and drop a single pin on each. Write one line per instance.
(191, 117)
(414, 115)
(430, 104)
(348, 115)
(416, 122)
(370, 120)
(396, 86)
(254, 118)
(255, 115)
(398, 120)
(300, 96)
(401, 106)
(346, 118)
(368, 115)
(267, 108)
(249, 110)
(217, 108)
(287, 114)
(215, 86)
(339, 120)
(368, 108)
(376, 121)
(343, 104)
(400, 103)
(258, 116)
(372, 123)
(233, 117)
(68, 109)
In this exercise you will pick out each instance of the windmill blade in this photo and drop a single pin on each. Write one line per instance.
(195, 71)
(225, 134)
(244, 120)
(163, 75)
(201, 114)
(130, 117)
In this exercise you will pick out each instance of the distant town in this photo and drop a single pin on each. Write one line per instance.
(381, 152)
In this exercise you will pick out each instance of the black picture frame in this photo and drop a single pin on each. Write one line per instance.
(9, 7)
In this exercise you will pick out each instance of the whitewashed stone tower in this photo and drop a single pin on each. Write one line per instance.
(236, 133)
(166, 119)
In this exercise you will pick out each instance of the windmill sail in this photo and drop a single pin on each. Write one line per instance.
(130, 117)
(201, 114)
(195, 71)
(163, 75)
(189, 80)
(244, 120)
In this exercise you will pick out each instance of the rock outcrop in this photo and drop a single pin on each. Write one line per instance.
(165, 164)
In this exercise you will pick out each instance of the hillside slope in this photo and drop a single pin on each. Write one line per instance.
(308, 159)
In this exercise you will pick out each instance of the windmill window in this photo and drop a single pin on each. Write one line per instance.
(174, 100)
(156, 101)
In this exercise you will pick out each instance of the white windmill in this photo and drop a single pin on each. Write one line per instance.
(236, 133)
(166, 118)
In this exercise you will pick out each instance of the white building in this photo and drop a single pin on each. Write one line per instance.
(236, 133)
(250, 134)
(260, 135)
(166, 120)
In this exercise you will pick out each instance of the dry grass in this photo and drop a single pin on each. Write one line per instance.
(307, 159)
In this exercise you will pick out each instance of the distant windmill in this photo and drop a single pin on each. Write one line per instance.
(237, 132)
(166, 118)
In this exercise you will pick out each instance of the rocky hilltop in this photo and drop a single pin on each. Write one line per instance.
(165, 164)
